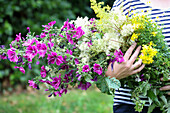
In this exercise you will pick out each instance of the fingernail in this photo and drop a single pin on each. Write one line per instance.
(160, 89)
(134, 43)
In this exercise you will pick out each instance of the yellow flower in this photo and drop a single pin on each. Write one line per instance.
(154, 33)
(134, 36)
(148, 53)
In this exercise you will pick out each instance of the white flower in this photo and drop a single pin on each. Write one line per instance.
(84, 23)
(127, 30)
(85, 60)
(84, 47)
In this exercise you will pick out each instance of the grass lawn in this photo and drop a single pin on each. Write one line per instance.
(75, 101)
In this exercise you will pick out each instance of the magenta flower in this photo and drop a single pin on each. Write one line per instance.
(42, 35)
(59, 93)
(50, 45)
(89, 43)
(28, 58)
(66, 25)
(18, 37)
(42, 49)
(61, 35)
(119, 56)
(43, 72)
(78, 77)
(86, 68)
(79, 33)
(21, 69)
(97, 68)
(28, 28)
(84, 86)
(3, 56)
(51, 23)
(31, 83)
(76, 61)
(92, 20)
(29, 42)
(69, 52)
(46, 27)
(50, 35)
(12, 56)
(56, 82)
(31, 51)
(69, 38)
(54, 58)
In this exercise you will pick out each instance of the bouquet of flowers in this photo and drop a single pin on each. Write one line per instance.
(78, 53)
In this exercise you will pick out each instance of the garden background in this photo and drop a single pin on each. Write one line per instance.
(15, 94)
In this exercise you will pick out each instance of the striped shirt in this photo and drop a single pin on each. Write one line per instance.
(123, 96)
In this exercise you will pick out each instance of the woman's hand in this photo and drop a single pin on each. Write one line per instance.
(165, 88)
(128, 67)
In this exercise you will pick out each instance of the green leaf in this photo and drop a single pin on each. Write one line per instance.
(164, 99)
(113, 83)
(153, 97)
(88, 78)
(102, 85)
(151, 108)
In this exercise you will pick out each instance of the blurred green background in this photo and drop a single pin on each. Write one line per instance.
(15, 17)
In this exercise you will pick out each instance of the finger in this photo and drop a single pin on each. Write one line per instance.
(135, 55)
(129, 52)
(165, 88)
(138, 70)
(169, 93)
(137, 64)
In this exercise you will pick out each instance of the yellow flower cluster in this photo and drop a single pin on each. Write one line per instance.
(97, 7)
(103, 13)
(134, 36)
(148, 53)
(137, 20)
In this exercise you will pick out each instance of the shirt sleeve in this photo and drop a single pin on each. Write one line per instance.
(117, 3)
(124, 4)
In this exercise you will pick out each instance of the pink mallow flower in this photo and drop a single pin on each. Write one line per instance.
(31, 51)
(76, 61)
(97, 68)
(54, 58)
(84, 86)
(42, 35)
(86, 68)
(51, 23)
(56, 82)
(42, 49)
(43, 72)
(119, 56)
(28, 28)
(69, 52)
(3, 56)
(29, 42)
(18, 37)
(79, 33)
(12, 56)
(21, 69)
(31, 83)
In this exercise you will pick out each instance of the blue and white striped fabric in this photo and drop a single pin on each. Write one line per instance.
(123, 95)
